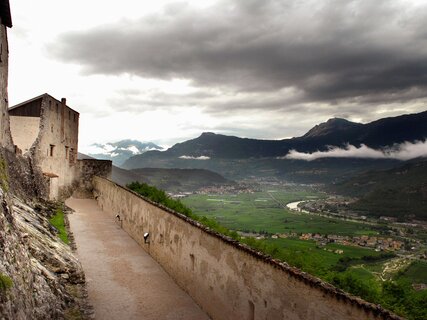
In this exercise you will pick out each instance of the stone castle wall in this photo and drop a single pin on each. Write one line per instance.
(24, 131)
(55, 149)
(46, 130)
(227, 279)
(89, 168)
(5, 136)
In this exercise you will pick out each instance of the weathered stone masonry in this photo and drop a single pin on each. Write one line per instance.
(227, 279)
(46, 129)
(5, 22)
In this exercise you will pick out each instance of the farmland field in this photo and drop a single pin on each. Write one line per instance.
(264, 212)
(314, 259)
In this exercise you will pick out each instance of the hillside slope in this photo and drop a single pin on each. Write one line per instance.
(400, 192)
(172, 180)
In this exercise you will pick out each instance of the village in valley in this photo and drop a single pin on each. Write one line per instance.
(380, 234)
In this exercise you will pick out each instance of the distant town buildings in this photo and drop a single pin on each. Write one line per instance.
(382, 244)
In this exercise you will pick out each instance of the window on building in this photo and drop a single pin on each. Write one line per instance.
(69, 115)
(71, 155)
(52, 147)
(66, 152)
(50, 105)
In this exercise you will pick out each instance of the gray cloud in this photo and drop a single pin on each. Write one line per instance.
(336, 52)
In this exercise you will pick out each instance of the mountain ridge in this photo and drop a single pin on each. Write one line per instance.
(338, 132)
(120, 151)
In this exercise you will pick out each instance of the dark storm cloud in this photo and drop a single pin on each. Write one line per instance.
(325, 51)
(212, 101)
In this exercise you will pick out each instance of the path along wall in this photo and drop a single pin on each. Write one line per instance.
(227, 279)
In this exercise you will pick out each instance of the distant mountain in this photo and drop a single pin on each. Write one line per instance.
(123, 176)
(83, 156)
(400, 192)
(172, 180)
(335, 132)
(181, 180)
(122, 150)
(331, 127)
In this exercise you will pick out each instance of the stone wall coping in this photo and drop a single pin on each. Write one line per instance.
(294, 272)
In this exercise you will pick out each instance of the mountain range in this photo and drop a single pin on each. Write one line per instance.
(236, 158)
(120, 151)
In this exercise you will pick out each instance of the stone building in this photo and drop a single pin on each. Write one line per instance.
(5, 22)
(46, 129)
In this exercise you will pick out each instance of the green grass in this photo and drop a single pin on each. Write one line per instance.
(260, 212)
(416, 272)
(5, 283)
(58, 222)
(314, 259)
(375, 267)
(4, 178)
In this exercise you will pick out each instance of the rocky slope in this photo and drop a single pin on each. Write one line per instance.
(40, 277)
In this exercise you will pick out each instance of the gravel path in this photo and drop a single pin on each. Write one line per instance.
(123, 281)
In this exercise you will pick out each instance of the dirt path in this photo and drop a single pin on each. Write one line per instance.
(124, 282)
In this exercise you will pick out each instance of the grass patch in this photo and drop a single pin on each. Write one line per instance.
(58, 222)
(416, 272)
(5, 283)
(316, 260)
(73, 314)
(4, 178)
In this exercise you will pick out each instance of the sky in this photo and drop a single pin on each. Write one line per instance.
(166, 71)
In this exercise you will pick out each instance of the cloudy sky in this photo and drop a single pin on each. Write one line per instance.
(165, 71)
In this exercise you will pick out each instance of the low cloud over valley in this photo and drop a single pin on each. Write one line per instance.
(404, 151)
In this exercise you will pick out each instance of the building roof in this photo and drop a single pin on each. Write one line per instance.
(5, 16)
(27, 101)
(37, 98)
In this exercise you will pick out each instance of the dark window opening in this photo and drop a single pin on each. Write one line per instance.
(66, 152)
(71, 156)
(51, 150)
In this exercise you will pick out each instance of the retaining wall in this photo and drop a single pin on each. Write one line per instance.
(227, 279)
